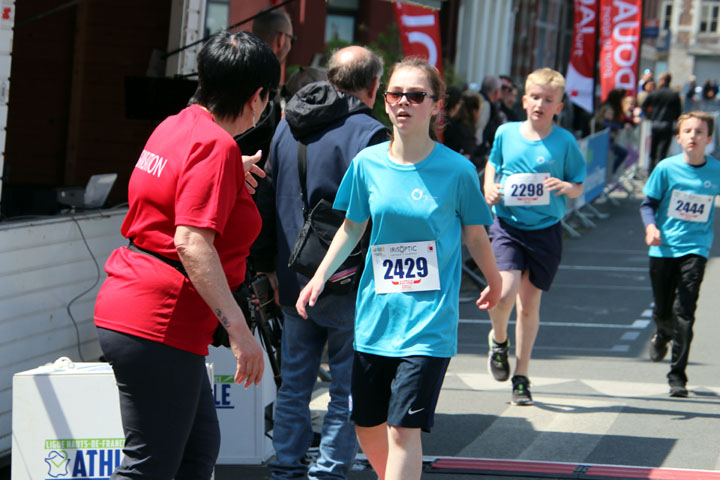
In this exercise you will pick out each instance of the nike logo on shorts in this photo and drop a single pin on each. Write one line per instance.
(413, 412)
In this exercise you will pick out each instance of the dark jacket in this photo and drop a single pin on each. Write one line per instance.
(335, 127)
(663, 107)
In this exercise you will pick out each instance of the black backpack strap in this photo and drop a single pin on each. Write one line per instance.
(302, 174)
(176, 264)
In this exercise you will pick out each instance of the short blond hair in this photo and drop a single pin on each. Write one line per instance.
(546, 76)
(700, 115)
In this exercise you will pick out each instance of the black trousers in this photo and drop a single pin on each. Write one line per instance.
(167, 409)
(660, 140)
(676, 286)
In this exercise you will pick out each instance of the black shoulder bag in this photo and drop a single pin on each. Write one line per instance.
(315, 237)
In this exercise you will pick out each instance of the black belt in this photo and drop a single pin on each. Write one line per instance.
(176, 264)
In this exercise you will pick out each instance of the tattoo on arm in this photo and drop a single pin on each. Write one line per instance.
(223, 319)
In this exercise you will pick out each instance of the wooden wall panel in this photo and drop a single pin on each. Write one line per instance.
(66, 116)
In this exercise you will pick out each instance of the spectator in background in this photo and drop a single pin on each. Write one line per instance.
(489, 114)
(460, 128)
(647, 88)
(610, 115)
(632, 114)
(275, 29)
(508, 97)
(690, 89)
(647, 76)
(452, 101)
(662, 107)
(710, 89)
(333, 120)
(301, 77)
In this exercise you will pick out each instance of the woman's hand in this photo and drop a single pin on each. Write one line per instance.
(249, 356)
(309, 295)
(249, 162)
(196, 249)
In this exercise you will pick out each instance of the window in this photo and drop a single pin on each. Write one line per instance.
(666, 18)
(217, 16)
(709, 15)
(340, 20)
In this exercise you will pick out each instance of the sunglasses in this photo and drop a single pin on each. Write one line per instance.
(291, 37)
(272, 93)
(505, 88)
(415, 98)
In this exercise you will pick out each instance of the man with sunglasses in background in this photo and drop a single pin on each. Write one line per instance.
(332, 121)
(490, 116)
(508, 98)
(273, 27)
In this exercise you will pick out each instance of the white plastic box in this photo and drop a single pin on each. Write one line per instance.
(66, 422)
(245, 415)
(66, 419)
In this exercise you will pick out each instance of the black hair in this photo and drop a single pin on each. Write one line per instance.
(452, 98)
(231, 67)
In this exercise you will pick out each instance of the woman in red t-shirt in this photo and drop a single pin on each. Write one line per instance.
(190, 224)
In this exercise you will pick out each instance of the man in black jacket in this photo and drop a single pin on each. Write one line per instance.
(662, 107)
(334, 120)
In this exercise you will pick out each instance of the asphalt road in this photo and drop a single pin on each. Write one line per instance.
(599, 400)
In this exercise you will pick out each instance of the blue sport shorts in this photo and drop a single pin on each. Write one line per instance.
(538, 251)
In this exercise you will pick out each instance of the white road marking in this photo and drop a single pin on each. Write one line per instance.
(594, 268)
(637, 324)
(630, 336)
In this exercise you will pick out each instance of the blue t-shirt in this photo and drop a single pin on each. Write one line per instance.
(430, 200)
(557, 154)
(683, 237)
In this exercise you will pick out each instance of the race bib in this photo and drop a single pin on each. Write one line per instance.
(526, 189)
(690, 207)
(405, 267)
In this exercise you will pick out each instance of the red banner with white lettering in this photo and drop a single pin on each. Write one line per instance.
(620, 28)
(419, 32)
(580, 78)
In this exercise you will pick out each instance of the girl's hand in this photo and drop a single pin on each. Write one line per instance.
(309, 295)
(488, 298)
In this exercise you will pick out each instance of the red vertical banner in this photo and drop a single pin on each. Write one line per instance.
(620, 28)
(580, 78)
(419, 32)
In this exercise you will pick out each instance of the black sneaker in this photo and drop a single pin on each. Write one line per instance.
(498, 363)
(678, 391)
(658, 347)
(521, 391)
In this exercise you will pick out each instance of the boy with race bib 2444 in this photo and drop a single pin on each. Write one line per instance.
(678, 215)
